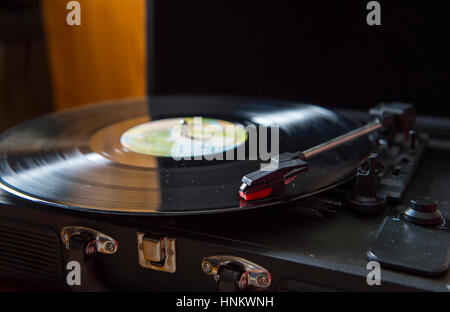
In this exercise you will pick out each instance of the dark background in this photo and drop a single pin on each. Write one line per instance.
(25, 88)
(321, 52)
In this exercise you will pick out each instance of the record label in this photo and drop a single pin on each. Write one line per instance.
(184, 137)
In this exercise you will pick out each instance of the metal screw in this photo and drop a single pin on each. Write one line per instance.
(170, 252)
(65, 237)
(206, 267)
(262, 280)
(109, 246)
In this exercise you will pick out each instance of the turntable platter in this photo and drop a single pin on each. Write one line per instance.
(80, 158)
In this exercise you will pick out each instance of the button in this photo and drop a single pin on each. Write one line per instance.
(423, 211)
(153, 249)
(423, 204)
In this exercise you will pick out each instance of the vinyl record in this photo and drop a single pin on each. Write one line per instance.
(118, 157)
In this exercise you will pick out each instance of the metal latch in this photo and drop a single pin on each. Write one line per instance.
(99, 241)
(250, 276)
(156, 252)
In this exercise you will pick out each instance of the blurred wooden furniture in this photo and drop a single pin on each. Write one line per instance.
(24, 81)
(101, 59)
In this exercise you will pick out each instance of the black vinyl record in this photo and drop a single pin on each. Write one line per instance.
(76, 159)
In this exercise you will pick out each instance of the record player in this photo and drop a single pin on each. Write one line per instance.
(131, 195)
(145, 222)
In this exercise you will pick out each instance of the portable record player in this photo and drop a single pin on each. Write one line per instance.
(78, 190)
(108, 197)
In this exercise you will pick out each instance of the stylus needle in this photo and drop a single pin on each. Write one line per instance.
(284, 168)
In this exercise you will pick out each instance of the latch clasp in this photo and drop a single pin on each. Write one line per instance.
(100, 241)
(251, 276)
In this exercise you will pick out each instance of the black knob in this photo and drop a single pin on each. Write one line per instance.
(422, 211)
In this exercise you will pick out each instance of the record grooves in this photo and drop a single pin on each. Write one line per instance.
(75, 159)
